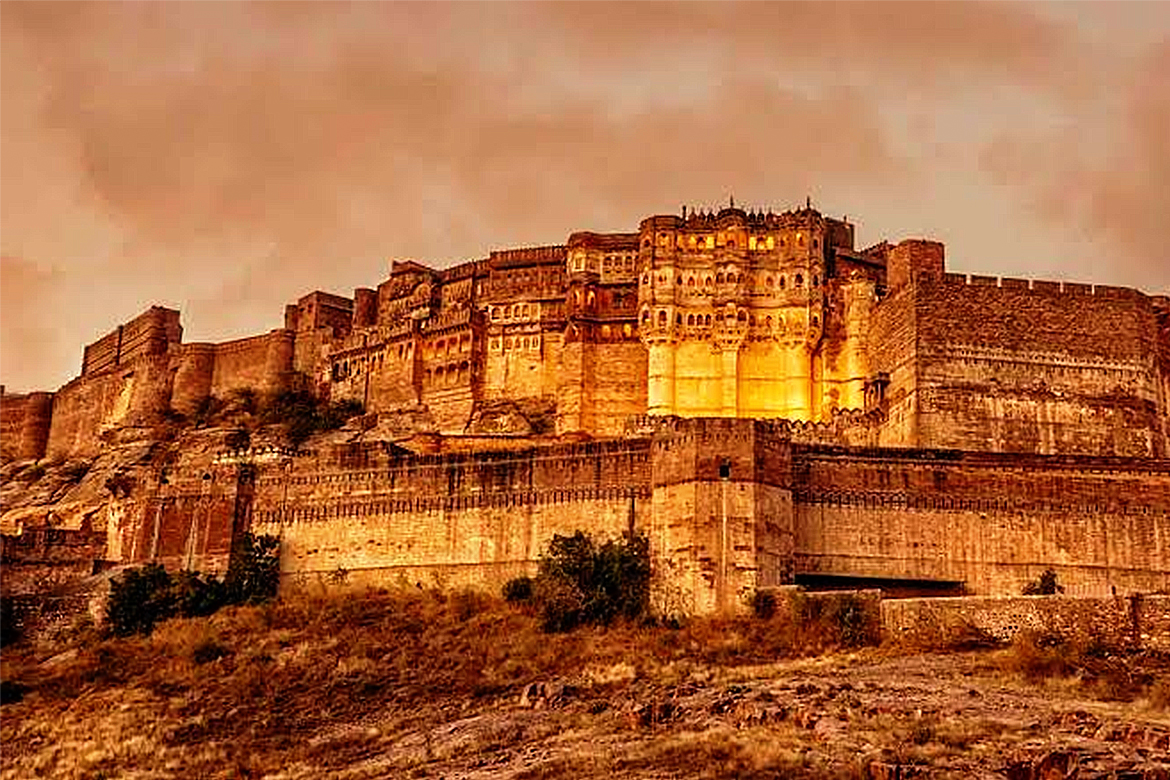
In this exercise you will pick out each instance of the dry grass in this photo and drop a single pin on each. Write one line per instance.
(1107, 674)
(292, 668)
(405, 683)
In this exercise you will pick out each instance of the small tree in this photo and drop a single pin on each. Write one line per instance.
(579, 582)
(140, 598)
(1046, 585)
(253, 574)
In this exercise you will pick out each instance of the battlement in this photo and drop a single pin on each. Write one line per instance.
(603, 241)
(531, 255)
(150, 333)
(1071, 289)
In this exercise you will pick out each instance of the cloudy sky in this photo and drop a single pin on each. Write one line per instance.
(226, 158)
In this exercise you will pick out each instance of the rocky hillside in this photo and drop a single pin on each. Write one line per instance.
(420, 684)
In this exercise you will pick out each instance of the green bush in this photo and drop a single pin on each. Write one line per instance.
(1045, 585)
(76, 471)
(140, 598)
(238, 439)
(302, 415)
(582, 583)
(253, 574)
(9, 623)
(148, 595)
(518, 590)
(764, 604)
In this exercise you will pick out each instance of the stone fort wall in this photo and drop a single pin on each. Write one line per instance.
(988, 521)
(729, 506)
(1012, 365)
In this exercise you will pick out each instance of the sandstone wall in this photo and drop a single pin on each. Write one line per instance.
(262, 363)
(1136, 621)
(25, 420)
(150, 333)
(187, 522)
(90, 406)
(991, 522)
(721, 519)
(459, 519)
(1012, 366)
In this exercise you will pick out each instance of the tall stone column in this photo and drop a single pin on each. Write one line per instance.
(729, 384)
(660, 377)
(798, 387)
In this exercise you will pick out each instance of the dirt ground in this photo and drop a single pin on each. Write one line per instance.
(434, 689)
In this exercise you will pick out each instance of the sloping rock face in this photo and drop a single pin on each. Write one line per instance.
(523, 416)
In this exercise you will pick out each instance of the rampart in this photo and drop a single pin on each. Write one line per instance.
(150, 333)
(448, 519)
(991, 522)
(24, 425)
(1016, 366)
(1137, 621)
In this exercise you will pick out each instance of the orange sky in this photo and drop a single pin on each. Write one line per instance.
(226, 158)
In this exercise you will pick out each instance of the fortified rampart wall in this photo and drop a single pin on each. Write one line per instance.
(450, 519)
(729, 505)
(1015, 366)
(24, 425)
(991, 522)
(83, 410)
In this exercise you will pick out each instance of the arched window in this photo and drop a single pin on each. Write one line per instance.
(719, 278)
(707, 321)
(662, 319)
(783, 282)
(690, 319)
(524, 311)
(769, 283)
(799, 281)
(731, 243)
(742, 316)
(816, 321)
(678, 319)
(707, 282)
(816, 280)
(690, 281)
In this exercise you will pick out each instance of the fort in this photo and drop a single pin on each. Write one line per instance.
(768, 402)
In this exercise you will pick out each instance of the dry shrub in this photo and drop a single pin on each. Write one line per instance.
(1107, 673)
(719, 754)
(1158, 694)
(1039, 656)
